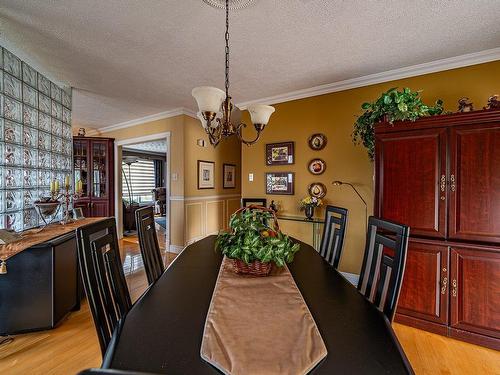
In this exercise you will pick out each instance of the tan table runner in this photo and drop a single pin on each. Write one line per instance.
(35, 236)
(260, 325)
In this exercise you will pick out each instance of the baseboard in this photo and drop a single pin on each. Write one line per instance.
(175, 249)
(351, 277)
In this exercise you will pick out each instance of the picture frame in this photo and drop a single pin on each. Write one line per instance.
(316, 166)
(228, 176)
(78, 213)
(206, 174)
(317, 189)
(282, 153)
(280, 183)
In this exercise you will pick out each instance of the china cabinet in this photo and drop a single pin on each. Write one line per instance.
(441, 176)
(94, 166)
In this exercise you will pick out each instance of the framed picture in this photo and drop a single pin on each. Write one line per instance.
(281, 183)
(229, 173)
(317, 141)
(317, 189)
(280, 153)
(206, 174)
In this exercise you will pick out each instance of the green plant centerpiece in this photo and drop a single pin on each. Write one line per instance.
(392, 105)
(252, 244)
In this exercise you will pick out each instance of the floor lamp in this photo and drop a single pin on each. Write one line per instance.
(339, 183)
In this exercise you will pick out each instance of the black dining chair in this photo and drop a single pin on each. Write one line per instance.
(245, 202)
(148, 242)
(334, 230)
(383, 264)
(103, 277)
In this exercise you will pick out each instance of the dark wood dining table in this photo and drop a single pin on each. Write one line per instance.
(163, 331)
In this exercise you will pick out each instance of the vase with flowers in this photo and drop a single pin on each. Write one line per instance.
(308, 204)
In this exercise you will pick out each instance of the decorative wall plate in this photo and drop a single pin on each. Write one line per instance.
(317, 141)
(317, 189)
(317, 166)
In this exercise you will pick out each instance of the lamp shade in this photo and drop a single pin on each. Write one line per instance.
(209, 99)
(202, 120)
(260, 113)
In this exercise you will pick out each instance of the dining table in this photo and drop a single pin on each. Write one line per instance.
(162, 333)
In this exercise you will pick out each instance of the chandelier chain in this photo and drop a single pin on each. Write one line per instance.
(227, 48)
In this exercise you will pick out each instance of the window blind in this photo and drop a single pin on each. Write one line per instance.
(141, 178)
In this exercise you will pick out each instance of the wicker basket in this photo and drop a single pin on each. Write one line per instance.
(255, 268)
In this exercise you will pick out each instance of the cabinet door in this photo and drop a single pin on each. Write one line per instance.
(475, 183)
(84, 204)
(411, 180)
(81, 164)
(474, 289)
(424, 293)
(99, 208)
(100, 169)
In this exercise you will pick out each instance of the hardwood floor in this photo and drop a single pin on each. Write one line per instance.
(73, 345)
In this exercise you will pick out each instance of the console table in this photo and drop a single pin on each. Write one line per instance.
(42, 284)
(315, 227)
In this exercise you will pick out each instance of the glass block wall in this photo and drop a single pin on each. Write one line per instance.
(35, 140)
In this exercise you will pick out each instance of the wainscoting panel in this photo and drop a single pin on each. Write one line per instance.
(208, 215)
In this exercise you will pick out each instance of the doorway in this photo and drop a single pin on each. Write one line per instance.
(142, 173)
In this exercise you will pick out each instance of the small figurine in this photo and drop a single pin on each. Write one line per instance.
(465, 105)
(81, 132)
(273, 207)
(493, 102)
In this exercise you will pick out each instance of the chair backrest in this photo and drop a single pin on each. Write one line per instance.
(148, 242)
(245, 202)
(383, 264)
(103, 277)
(334, 230)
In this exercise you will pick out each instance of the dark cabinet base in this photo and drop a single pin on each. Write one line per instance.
(41, 287)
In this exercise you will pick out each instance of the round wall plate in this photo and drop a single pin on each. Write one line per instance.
(317, 166)
(317, 141)
(317, 189)
(233, 4)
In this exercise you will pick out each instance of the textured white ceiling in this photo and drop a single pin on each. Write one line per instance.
(152, 146)
(128, 58)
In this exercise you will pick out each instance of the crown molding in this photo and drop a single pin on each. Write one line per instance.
(371, 79)
(141, 120)
(390, 75)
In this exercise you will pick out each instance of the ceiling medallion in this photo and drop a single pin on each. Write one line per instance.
(219, 117)
(233, 4)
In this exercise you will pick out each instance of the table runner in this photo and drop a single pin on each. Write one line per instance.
(260, 325)
(35, 236)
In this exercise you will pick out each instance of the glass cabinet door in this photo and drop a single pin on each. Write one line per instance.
(80, 161)
(99, 169)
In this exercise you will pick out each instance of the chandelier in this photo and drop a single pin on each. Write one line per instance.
(218, 115)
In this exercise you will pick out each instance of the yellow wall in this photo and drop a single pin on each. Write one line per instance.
(194, 213)
(334, 115)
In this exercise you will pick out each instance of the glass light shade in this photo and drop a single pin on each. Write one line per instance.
(260, 113)
(202, 120)
(209, 99)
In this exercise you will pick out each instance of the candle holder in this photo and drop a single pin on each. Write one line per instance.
(68, 196)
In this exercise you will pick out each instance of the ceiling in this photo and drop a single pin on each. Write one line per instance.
(151, 146)
(127, 59)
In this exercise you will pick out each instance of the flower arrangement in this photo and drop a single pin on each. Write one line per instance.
(310, 201)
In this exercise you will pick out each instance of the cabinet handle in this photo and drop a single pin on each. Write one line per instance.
(452, 180)
(454, 290)
(443, 183)
(444, 284)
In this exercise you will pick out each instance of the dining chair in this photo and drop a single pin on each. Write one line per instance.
(105, 371)
(383, 264)
(245, 202)
(148, 242)
(103, 277)
(334, 230)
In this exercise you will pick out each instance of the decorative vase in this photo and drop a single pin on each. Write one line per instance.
(309, 210)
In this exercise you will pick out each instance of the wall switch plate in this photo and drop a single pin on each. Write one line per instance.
(250, 177)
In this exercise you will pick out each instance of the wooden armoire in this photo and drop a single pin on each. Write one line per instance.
(441, 176)
(93, 160)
